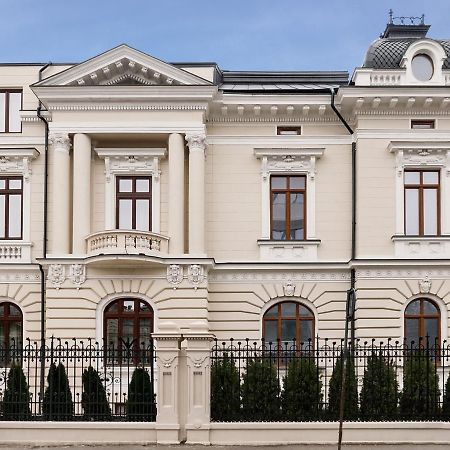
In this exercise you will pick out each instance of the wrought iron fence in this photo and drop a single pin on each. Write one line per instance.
(290, 381)
(78, 380)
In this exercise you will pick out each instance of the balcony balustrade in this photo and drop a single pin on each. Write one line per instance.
(126, 242)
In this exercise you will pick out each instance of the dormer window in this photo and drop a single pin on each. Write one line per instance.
(422, 67)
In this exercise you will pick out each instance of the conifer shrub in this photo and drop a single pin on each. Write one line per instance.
(446, 401)
(93, 399)
(260, 391)
(351, 391)
(225, 385)
(141, 405)
(379, 393)
(16, 401)
(57, 403)
(301, 398)
(420, 396)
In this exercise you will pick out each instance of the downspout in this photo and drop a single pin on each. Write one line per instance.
(44, 244)
(351, 293)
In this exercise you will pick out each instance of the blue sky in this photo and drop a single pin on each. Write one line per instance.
(237, 34)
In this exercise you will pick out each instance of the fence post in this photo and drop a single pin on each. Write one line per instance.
(198, 342)
(167, 341)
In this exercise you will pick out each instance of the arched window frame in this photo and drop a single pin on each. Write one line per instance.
(298, 318)
(422, 317)
(6, 319)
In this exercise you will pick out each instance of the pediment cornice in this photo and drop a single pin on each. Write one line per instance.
(119, 65)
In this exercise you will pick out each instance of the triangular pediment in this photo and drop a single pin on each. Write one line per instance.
(123, 66)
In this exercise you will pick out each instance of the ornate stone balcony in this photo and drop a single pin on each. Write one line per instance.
(126, 242)
(15, 251)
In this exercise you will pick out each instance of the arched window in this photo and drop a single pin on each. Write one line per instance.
(422, 320)
(11, 329)
(287, 321)
(128, 323)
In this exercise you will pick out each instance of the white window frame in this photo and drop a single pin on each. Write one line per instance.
(131, 162)
(288, 161)
(17, 162)
(421, 154)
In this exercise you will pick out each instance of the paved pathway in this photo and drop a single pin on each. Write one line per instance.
(240, 447)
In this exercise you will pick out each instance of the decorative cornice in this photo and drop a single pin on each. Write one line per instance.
(127, 107)
(17, 161)
(280, 277)
(273, 119)
(403, 274)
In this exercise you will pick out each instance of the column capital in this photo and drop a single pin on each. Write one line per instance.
(196, 141)
(59, 140)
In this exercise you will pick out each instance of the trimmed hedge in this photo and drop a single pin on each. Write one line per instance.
(93, 399)
(16, 401)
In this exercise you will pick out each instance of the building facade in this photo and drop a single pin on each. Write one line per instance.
(137, 195)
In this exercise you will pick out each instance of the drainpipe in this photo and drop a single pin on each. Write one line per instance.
(351, 293)
(44, 246)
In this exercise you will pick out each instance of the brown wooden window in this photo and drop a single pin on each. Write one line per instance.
(10, 106)
(421, 124)
(288, 207)
(288, 321)
(289, 131)
(422, 202)
(134, 203)
(128, 325)
(11, 196)
(11, 326)
(422, 321)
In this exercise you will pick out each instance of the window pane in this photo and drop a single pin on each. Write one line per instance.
(15, 334)
(431, 331)
(3, 184)
(305, 312)
(422, 67)
(143, 307)
(306, 330)
(127, 330)
(288, 309)
(15, 100)
(2, 111)
(412, 331)
(429, 308)
(125, 214)
(145, 330)
(143, 215)
(142, 185)
(413, 307)
(279, 183)
(128, 305)
(2, 336)
(112, 332)
(288, 328)
(14, 310)
(272, 312)
(430, 211)
(412, 177)
(2, 216)
(412, 211)
(278, 216)
(430, 178)
(125, 185)
(113, 307)
(2, 309)
(270, 331)
(15, 216)
(297, 182)
(15, 184)
(297, 222)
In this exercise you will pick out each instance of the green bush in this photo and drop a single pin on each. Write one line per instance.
(93, 399)
(420, 396)
(16, 401)
(57, 404)
(302, 394)
(141, 405)
(446, 401)
(260, 391)
(351, 391)
(379, 393)
(225, 384)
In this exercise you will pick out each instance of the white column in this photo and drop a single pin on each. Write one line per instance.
(176, 194)
(61, 193)
(197, 147)
(81, 192)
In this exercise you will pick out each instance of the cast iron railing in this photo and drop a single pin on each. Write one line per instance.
(255, 380)
(78, 380)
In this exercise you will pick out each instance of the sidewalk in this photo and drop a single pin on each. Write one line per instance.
(243, 447)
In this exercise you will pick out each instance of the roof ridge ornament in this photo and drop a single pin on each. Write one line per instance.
(405, 27)
(406, 20)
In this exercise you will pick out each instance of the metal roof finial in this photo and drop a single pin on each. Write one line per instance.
(391, 16)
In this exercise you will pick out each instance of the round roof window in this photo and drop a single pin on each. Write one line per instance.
(422, 67)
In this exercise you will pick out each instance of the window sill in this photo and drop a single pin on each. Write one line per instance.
(421, 247)
(288, 251)
(15, 251)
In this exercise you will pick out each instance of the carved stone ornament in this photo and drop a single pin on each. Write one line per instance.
(289, 289)
(56, 275)
(60, 141)
(175, 274)
(196, 274)
(425, 285)
(77, 274)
